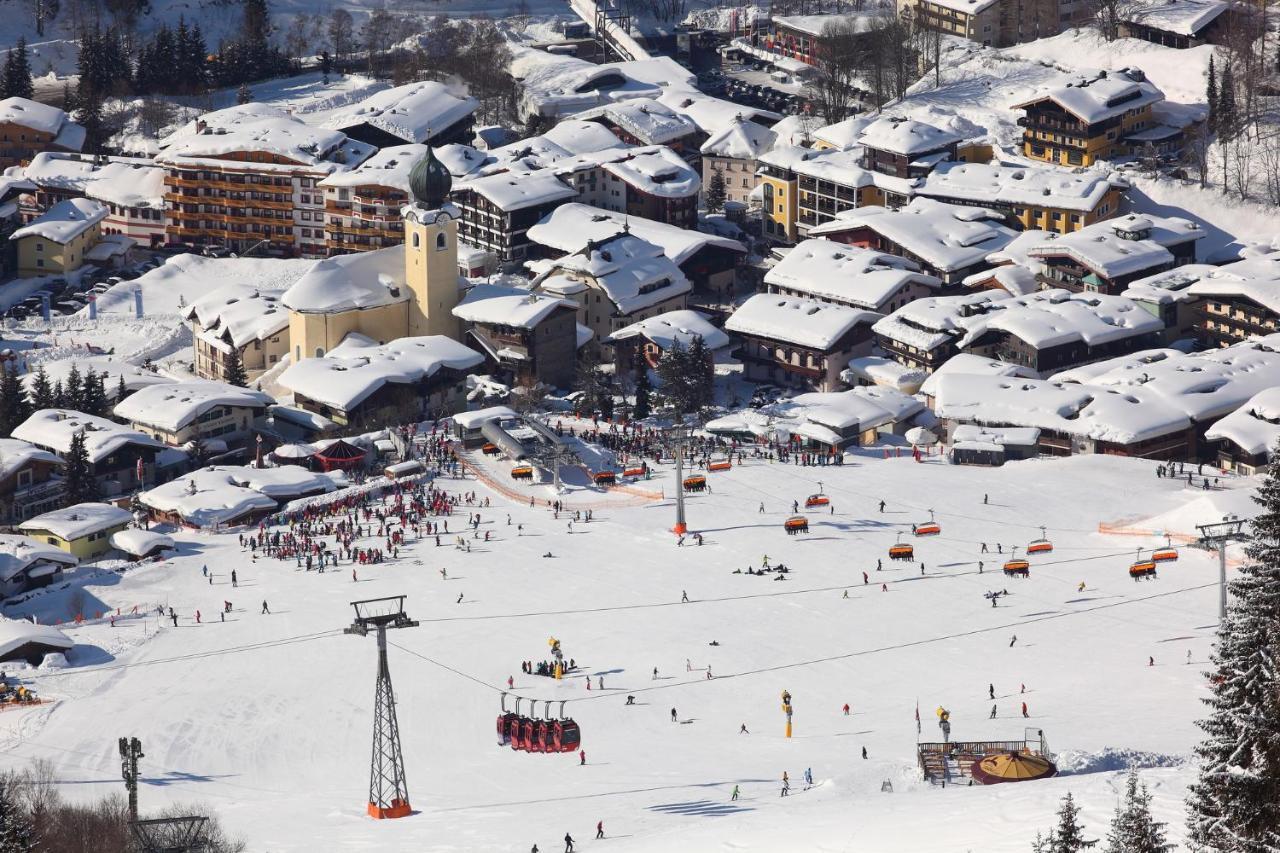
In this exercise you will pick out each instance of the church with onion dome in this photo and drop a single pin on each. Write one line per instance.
(401, 291)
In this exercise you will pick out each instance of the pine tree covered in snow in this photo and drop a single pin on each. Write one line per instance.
(122, 390)
(1211, 97)
(1234, 806)
(715, 195)
(80, 485)
(233, 370)
(40, 394)
(16, 833)
(15, 82)
(1133, 830)
(1068, 835)
(93, 397)
(13, 403)
(74, 389)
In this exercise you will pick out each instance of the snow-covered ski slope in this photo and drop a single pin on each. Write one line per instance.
(267, 718)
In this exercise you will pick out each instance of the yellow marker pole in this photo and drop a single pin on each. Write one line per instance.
(788, 728)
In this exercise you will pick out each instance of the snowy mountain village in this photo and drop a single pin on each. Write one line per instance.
(408, 413)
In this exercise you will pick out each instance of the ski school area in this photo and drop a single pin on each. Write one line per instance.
(674, 658)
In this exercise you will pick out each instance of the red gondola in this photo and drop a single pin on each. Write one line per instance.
(605, 478)
(1015, 567)
(508, 721)
(489, 449)
(695, 483)
(522, 472)
(521, 728)
(1167, 554)
(566, 736)
(796, 524)
(532, 733)
(720, 465)
(635, 471)
(817, 500)
(1141, 568)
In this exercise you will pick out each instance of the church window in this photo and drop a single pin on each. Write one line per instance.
(415, 241)
(442, 242)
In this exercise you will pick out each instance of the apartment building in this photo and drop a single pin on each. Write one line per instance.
(247, 178)
(131, 188)
(28, 127)
(1088, 119)
(362, 205)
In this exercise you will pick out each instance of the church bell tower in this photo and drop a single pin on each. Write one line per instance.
(431, 250)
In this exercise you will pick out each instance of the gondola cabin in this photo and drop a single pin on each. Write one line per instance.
(533, 731)
(696, 483)
(902, 552)
(719, 465)
(566, 736)
(605, 478)
(522, 728)
(816, 500)
(522, 472)
(634, 471)
(489, 448)
(1165, 555)
(1017, 568)
(931, 528)
(508, 722)
(1143, 569)
(1040, 546)
(796, 524)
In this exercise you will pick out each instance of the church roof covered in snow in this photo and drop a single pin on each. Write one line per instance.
(350, 283)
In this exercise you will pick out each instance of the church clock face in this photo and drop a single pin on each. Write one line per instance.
(442, 219)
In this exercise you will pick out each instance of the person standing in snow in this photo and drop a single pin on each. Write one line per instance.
(991, 691)
(684, 597)
(846, 709)
(864, 753)
(1013, 640)
(582, 757)
(265, 609)
(734, 795)
(568, 843)
(599, 829)
(234, 580)
(882, 506)
(993, 713)
(1024, 710)
(673, 715)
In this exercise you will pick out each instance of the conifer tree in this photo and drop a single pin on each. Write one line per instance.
(233, 370)
(1234, 805)
(16, 82)
(93, 396)
(716, 192)
(1134, 830)
(17, 834)
(59, 396)
(75, 389)
(78, 474)
(1227, 120)
(40, 394)
(644, 391)
(1068, 835)
(13, 403)
(1211, 97)
(122, 390)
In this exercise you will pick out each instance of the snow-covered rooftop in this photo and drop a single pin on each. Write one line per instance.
(843, 134)
(1102, 414)
(823, 416)
(1203, 385)
(43, 119)
(350, 282)
(879, 370)
(1184, 17)
(975, 365)
(740, 140)
(54, 429)
(208, 497)
(647, 119)
(554, 84)
(508, 306)
(1031, 186)
(804, 322)
(17, 552)
(712, 114)
(661, 173)
(79, 520)
(818, 25)
(65, 221)
(239, 312)
(1168, 286)
(1254, 427)
(390, 167)
(852, 275)
(122, 181)
(934, 320)
(16, 633)
(966, 7)
(571, 226)
(137, 542)
(945, 236)
(415, 112)
(175, 406)
(1098, 96)
(1255, 278)
(682, 326)
(358, 366)
(16, 455)
(905, 136)
(633, 273)
(265, 129)
(1049, 318)
(1115, 247)
(511, 191)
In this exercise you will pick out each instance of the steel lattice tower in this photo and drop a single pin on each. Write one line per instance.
(388, 790)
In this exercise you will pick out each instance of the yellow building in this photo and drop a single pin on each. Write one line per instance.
(1042, 198)
(83, 530)
(1088, 120)
(777, 191)
(402, 291)
(56, 242)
